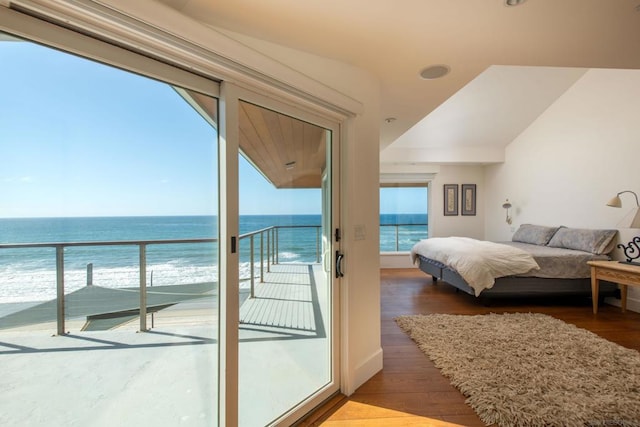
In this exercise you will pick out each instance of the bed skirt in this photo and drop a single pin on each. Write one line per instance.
(517, 286)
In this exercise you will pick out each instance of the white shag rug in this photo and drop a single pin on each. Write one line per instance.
(527, 369)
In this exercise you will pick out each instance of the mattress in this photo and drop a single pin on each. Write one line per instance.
(519, 286)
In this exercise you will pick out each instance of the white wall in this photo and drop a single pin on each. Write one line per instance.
(469, 226)
(570, 161)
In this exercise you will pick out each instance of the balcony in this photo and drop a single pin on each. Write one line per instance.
(80, 359)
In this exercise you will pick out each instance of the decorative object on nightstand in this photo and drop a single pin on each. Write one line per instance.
(631, 251)
(632, 220)
(507, 205)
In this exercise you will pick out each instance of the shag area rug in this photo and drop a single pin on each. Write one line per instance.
(528, 369)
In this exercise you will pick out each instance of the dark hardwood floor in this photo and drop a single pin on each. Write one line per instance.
(410, 391)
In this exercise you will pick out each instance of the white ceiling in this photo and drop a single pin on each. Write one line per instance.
(508, 64)
(478, 121)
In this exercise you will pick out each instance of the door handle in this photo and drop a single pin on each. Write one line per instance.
(339, 258)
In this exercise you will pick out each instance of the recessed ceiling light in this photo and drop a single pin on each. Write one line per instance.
(513, 2)
(435, 72)
(390, 119)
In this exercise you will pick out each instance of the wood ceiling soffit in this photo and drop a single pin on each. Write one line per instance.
(271, 140)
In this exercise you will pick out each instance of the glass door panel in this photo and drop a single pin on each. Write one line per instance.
(108, 227)
(285, 247)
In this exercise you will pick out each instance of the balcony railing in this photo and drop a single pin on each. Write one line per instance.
(269, 248)
(401, 237)
(268, 254)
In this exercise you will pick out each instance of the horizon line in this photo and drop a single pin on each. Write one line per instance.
(183, 215)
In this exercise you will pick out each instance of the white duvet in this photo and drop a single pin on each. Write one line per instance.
(478, 262)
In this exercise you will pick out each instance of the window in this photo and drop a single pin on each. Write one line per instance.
(403, 217)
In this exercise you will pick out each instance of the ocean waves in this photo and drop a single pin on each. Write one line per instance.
(22, 285)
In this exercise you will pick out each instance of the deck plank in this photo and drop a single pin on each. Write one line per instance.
(284, 300)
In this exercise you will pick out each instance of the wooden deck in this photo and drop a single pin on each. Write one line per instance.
(287, 301)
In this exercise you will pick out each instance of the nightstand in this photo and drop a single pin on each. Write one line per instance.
(616, 272)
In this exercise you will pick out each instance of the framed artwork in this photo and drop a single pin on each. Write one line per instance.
(450, 199)
(468, 199)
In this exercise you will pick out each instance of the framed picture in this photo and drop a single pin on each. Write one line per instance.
(468, 199)
(450, 199)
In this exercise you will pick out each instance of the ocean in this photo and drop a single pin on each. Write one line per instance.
(29, 274)
(405, 229)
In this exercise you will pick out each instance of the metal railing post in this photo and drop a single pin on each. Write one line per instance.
(397, 238)
(60, 288)
(90, 274)
(273, 246)
(251, 267)
(143, 287)
(269, 251)
(277, 241)
(262, 257)
(318, 244)
(153, 325)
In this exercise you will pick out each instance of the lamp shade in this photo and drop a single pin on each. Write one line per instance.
(615, 202)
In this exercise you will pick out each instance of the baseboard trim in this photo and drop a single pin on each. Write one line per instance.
(633, 304)
(396, 260)
(367, 369)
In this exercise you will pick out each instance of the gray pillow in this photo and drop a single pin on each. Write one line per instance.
(595, 241)
(534, 234)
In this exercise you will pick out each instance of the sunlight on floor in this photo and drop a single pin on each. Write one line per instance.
(372, 416)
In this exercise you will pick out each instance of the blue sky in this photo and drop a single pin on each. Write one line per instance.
(83, 139)
(395, 200)
(79, 138)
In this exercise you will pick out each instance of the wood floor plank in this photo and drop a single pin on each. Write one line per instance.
(410, 391)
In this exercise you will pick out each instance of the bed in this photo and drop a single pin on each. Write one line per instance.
(539, 261)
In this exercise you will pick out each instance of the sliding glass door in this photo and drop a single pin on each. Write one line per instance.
(108, 242)
(286, 271)
(168, 243)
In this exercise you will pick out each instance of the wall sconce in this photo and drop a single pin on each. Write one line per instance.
(507, 205)
(632, 220)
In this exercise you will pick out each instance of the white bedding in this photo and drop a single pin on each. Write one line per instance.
(478, 262)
